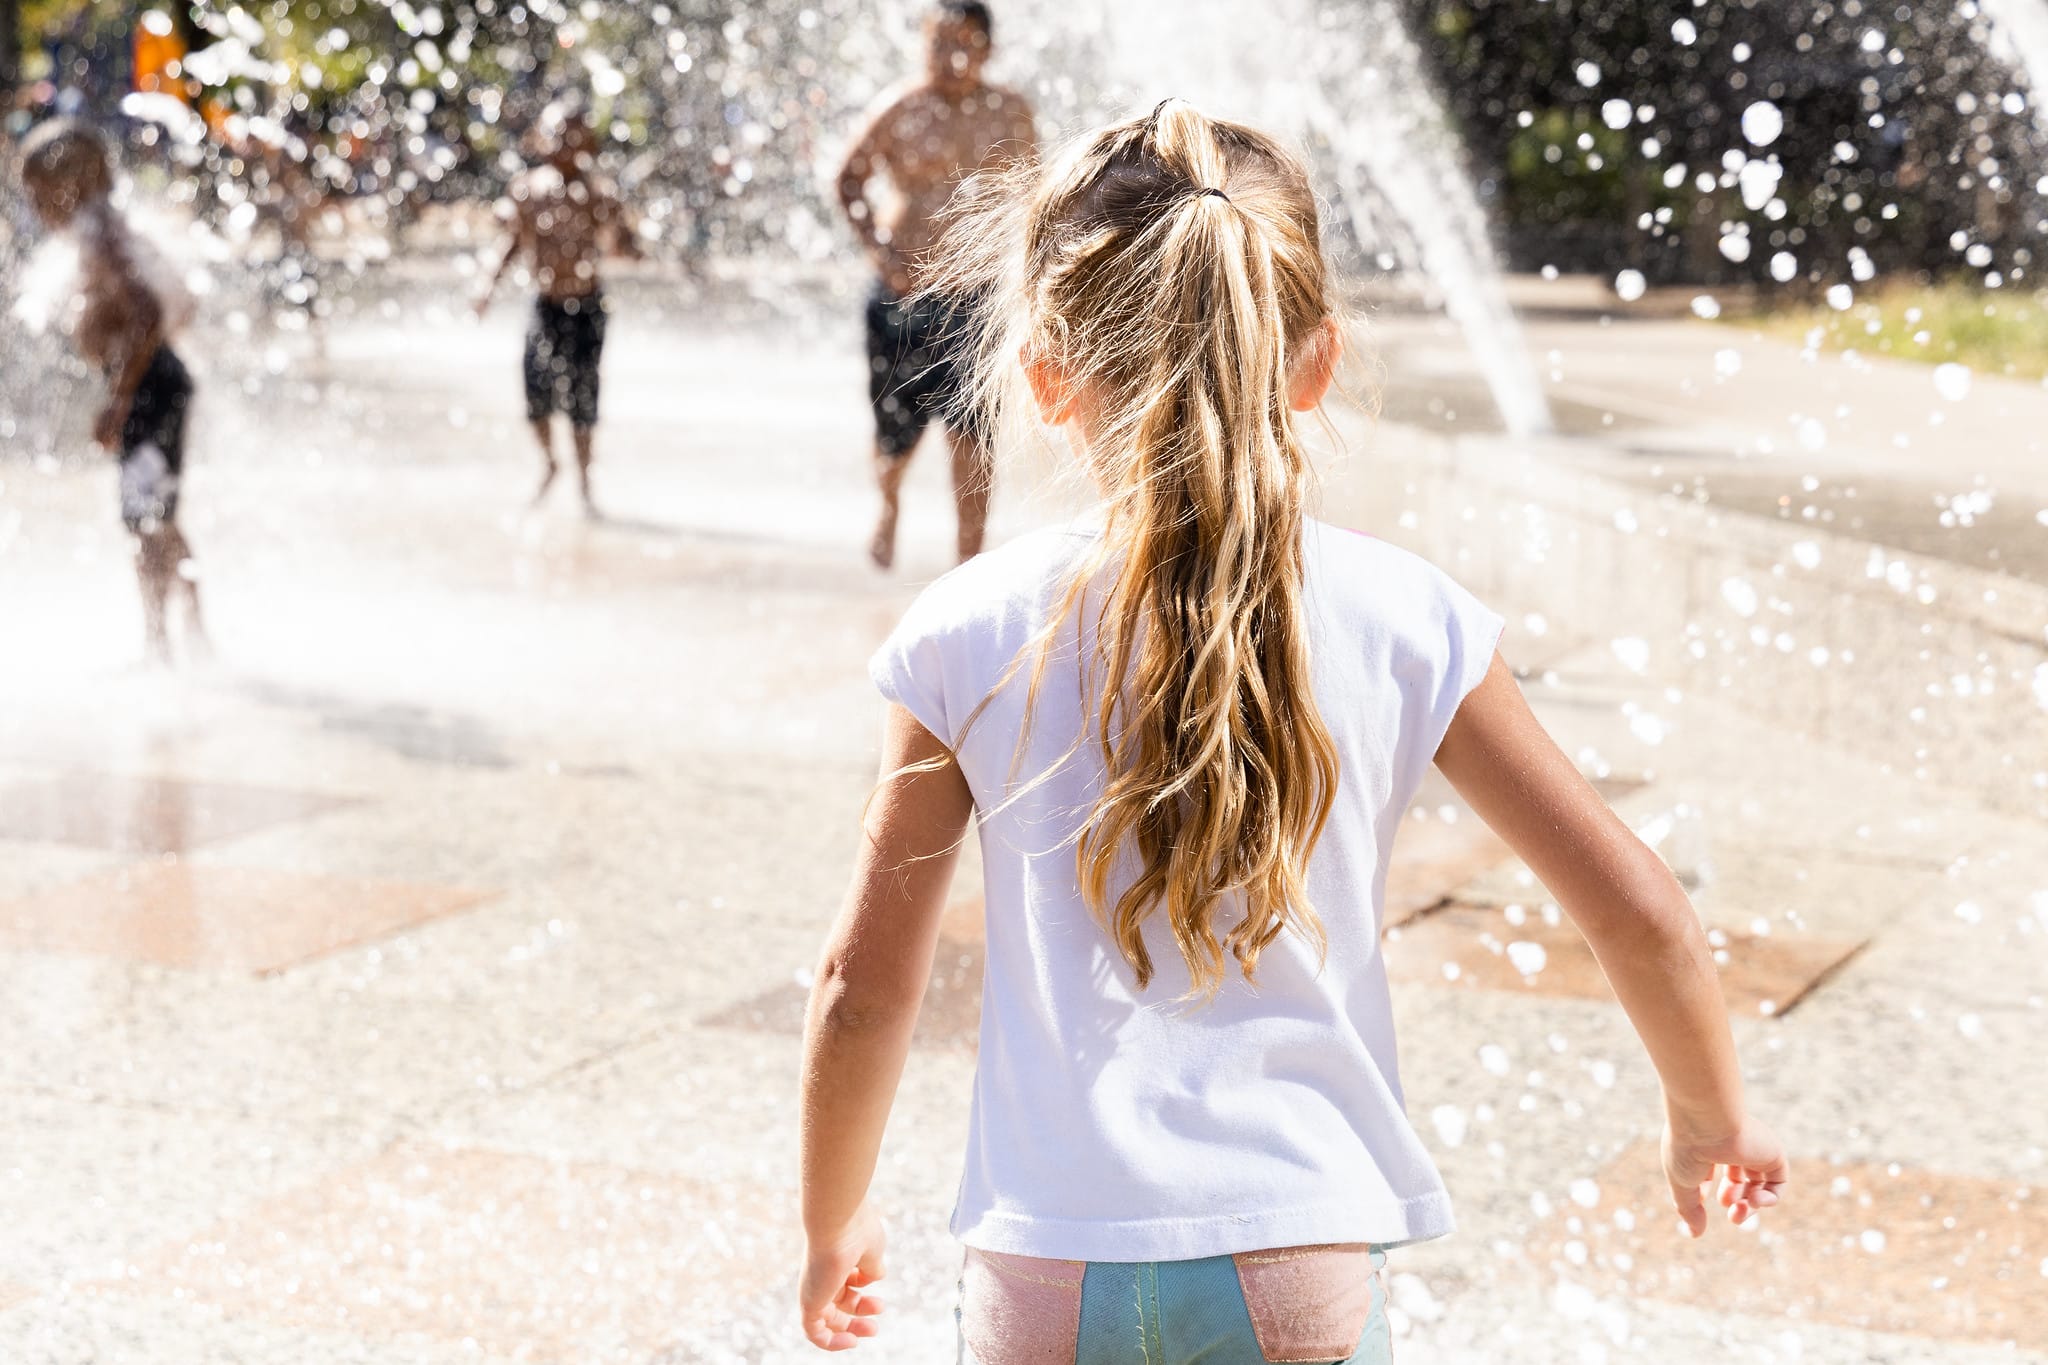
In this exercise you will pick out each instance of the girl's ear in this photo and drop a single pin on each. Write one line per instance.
(1315, 369)
(1050, 388)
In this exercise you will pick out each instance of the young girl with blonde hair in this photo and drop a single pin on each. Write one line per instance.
(1189, 726)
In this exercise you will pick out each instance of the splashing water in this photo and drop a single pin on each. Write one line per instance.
(2022, 25)
(1356, 93)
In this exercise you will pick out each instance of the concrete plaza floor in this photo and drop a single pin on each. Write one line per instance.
(421, 981)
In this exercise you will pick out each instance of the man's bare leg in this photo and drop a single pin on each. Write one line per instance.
(544, 433)
(584, 440)
(973, 481)
(889, 470)
(154, 571)
(184, 575)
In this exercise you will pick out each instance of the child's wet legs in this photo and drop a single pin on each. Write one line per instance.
(156, 568)
(185, 573)
(889, 471)
(544, 434)
(973, 482)
(584, 439)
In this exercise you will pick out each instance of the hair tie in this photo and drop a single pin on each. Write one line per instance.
(1212, 190)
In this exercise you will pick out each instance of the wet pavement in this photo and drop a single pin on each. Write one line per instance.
(421, 980)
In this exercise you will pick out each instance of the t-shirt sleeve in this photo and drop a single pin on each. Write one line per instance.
(1471, 635)
(909, 669)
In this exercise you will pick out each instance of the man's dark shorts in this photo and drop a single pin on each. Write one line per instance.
(920, 368)
(564, 343)
(153, 443)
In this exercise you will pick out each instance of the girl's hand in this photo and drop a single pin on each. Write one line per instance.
(836, 1313)
(1750, 1163)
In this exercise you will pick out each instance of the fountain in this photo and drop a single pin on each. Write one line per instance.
(2022, 25)
(1355, 93)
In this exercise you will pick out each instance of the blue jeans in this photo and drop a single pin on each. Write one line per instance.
(1325, 1305)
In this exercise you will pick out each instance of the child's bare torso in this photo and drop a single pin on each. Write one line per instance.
(565, 225)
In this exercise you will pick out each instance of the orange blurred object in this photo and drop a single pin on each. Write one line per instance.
(159, 57)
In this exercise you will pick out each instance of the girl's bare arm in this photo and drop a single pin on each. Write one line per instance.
(1641, 927)
(864, 1004)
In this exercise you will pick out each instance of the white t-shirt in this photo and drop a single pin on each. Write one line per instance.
(1111, 1124)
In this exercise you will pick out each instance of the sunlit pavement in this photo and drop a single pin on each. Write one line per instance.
(421, 980)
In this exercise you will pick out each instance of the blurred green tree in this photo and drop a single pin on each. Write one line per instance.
(1612, 133)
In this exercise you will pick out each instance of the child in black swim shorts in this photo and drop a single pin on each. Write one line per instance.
(122, 329)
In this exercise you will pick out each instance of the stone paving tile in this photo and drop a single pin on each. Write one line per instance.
(1876, 1070)
(1477, 945)
(1518, 1318)
(96, 1328)
(674, 1102)
(524, 1256)
(179, 914)
(27, 868)
(90, 1029)
(1434, 857)
(146, 814)
(84, 1186)
(950, 1017)
(1882, 1248)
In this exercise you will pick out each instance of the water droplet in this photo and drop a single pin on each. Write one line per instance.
(1633, 651)
(1588, 74)
(1706, 305)
(1840, 297)
(1761, 123)
(1784, 265)
(1871, 1241)
(1970, 1026)
(1449, 1122)
(1758, 181)
(1616, 114)
(1740, 596)
(1494, 1058)
(1629, 285)
(1526, 957)
(1585, 1193)
(1573, 1302)
(1952, 381)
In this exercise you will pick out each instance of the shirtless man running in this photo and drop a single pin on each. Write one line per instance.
(925, 138)
(122, 326)
(563, 220)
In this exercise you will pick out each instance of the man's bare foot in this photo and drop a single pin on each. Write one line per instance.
(547, 481)
(882, 549)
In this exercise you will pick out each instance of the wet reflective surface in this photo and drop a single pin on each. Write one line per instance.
(427, 970)
(420, 977)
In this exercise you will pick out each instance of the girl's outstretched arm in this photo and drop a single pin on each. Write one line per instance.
(1642, 929)
(870, 981)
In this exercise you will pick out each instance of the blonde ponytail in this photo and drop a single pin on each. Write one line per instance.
(1172, 268)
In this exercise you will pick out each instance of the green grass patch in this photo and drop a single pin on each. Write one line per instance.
(1993, 331)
